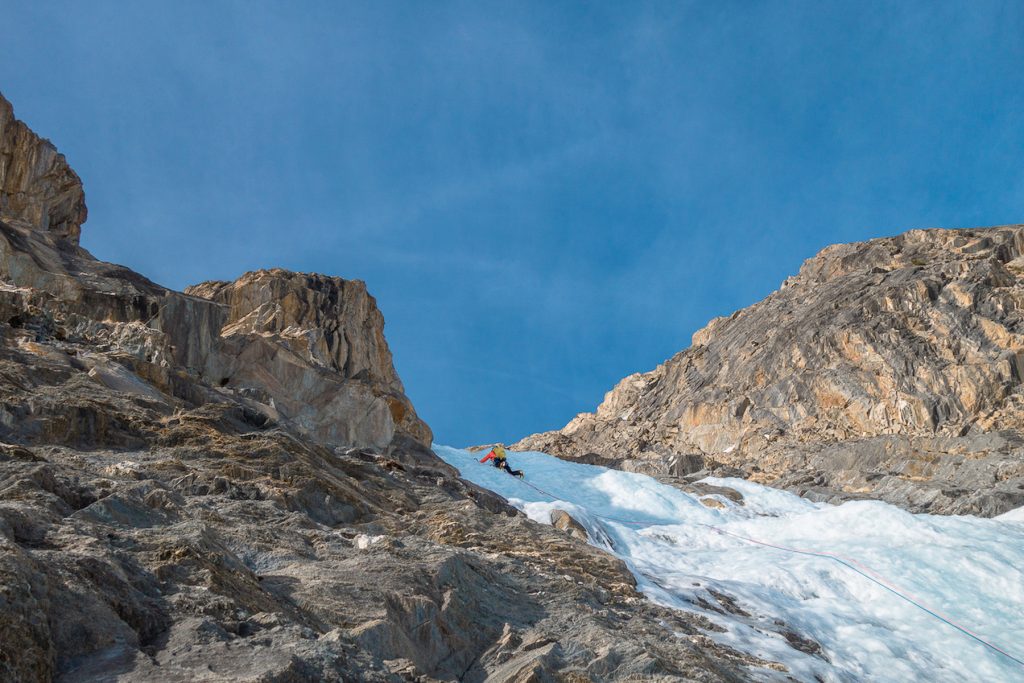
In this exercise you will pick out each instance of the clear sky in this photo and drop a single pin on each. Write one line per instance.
(544, 197)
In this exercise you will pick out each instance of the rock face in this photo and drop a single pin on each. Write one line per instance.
(316, 345)
(889, 368)
(36, 184)
(305, 350)
(187, 346)
(230, 484)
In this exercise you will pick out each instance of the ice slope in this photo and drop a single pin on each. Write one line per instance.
(968, 570)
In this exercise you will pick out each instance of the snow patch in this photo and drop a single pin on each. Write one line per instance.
(362, 541)
(1012, 516)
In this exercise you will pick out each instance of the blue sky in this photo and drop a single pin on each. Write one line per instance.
(544, 197)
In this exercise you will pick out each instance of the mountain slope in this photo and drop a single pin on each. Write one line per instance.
(230, 484)
(891, 367)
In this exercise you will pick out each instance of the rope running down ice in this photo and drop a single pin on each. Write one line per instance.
(849, 563)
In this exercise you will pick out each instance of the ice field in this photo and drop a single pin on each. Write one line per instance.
(888, 595)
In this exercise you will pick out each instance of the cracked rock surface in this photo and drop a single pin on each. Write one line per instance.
(890, 369)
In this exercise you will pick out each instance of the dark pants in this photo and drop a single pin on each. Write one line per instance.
(503, 465)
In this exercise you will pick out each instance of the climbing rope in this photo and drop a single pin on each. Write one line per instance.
(847, 562)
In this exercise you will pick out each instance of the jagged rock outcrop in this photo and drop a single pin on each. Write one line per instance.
(172, 509)
(37, 186)
(889, 368)
(307, 350)
(316, 345)
(187, 345)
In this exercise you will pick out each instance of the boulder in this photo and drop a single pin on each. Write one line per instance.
(560, 519)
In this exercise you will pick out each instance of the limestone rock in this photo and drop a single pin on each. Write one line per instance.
(316, 345)
(327, 369)
(37, 187)
(889, 368)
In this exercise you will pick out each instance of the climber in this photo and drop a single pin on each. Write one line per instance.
(498, 455)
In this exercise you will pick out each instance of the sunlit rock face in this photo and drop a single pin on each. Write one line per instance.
(891, 367)
(37, 187)
(316, 345)
(305, 349)
(327, 371)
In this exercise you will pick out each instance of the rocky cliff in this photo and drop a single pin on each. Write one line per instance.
(230, 484)
(315, 346)
(890, 368)
(305, 350)
(36, 184)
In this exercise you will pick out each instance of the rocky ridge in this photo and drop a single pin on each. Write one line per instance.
(230, 484)
(890, 369)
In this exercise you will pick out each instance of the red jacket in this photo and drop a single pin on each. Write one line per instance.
(494, 455)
